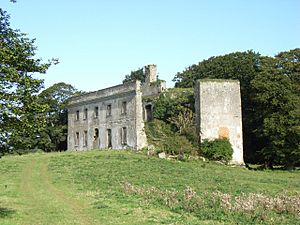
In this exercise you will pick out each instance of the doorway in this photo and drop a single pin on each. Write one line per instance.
(148, 112)
(96, 142)
(109, 143)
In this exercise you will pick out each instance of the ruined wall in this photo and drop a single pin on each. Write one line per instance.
(218, 113)
(115, 121)
(152, 86)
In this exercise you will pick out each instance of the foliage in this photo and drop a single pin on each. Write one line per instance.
(138, 74)
(218, 149)
(277, 100)
(20, 111)
(178, 144)
(161, 135)
(270, 90)
(183, 120)
(54, 136)
(176, 107)
(239, 65)
(173, 102)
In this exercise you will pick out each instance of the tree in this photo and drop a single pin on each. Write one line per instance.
(19, 109)
(277, 110)
(135, 75)
(53, 136)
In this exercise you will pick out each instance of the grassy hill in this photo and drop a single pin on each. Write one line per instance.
(122, 187)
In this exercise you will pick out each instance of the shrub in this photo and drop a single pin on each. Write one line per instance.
(218, 149)
(177, 144)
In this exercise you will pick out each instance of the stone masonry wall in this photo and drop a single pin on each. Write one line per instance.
(104, 123)
(152, 86)
(218, 113)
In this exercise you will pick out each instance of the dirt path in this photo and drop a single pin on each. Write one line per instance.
(45, 203)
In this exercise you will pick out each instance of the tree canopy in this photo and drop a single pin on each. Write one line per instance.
(53, 137)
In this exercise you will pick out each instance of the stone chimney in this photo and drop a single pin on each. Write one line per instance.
(150, 73)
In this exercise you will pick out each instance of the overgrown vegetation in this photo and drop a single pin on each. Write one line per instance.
(173, 130)
(218, 149)
(176, 108)
(251, 206)
(165, 139)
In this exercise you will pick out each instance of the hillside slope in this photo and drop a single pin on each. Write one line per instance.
(121, 187)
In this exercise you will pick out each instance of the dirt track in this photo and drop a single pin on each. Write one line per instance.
(45, 203)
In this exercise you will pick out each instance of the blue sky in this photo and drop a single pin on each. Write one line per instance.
(98, 42)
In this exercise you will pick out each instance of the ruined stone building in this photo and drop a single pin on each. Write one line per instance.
(218, 113)
(114, 117)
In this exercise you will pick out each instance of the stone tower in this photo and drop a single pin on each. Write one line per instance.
(150, 73)
(218, 113)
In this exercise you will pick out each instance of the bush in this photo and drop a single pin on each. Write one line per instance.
(177, 144)
(218, 149)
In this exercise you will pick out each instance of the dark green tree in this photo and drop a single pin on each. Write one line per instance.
(19, 109)
(53, 137)
(277, 110)
(135, 75)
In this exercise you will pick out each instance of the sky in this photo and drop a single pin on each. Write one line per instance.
(98, 42)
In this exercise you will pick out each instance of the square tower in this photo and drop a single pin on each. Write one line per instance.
(150, 73)
(218, 113)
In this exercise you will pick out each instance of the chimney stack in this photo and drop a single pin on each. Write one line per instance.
(150, 73)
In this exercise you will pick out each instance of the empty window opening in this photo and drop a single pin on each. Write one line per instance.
(77, 115)
(85, 138)
(124, 108)
(85, 115)
(96, 143)
(149, 113)
(124, 136)
(108, 110)
(96, 112)
(109, 144)
(77, 139)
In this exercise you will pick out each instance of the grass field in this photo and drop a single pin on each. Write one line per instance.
(121, 187)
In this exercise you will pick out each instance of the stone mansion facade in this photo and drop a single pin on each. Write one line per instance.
(114, 117)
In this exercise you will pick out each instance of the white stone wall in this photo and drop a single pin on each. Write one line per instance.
(218, 113)
(114, 96)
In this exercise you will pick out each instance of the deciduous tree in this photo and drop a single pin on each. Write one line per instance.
(19, 109)
(53, 137)
(277, 110)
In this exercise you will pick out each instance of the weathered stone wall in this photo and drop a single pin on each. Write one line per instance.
(152, 86)
(218, 113)
(115, 97)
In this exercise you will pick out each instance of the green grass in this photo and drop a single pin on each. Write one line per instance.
(88, 188)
